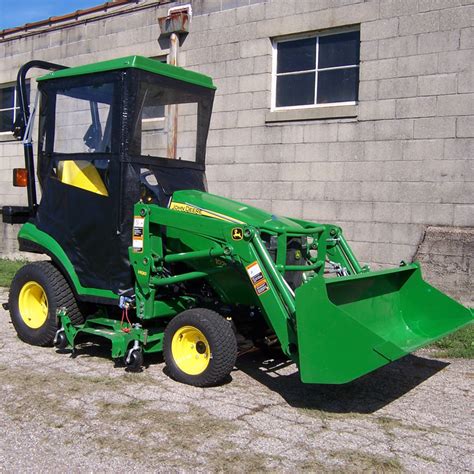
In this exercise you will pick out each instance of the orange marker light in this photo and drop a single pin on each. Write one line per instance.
(20, 177)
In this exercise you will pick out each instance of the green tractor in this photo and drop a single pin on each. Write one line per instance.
(142, 256)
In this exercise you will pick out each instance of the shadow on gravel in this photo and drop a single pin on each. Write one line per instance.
(100, 348)
(365, 395)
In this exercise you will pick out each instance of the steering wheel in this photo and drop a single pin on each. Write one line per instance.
(151, 190)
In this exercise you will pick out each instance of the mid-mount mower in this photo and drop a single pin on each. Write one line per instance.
(144, 257)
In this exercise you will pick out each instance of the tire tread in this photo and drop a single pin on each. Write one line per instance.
(220, 335)
(60, 295)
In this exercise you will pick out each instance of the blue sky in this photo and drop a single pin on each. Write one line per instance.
(18, 12)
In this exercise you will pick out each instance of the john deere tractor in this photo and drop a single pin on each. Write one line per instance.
(142, 256)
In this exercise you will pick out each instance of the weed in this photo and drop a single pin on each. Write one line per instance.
(8, 268)
(459, 344)
(357, 461)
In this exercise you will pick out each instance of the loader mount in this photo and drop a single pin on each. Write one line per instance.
(144, 257)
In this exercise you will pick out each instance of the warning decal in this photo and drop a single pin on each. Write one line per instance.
(261, 287)
(137, 238)
(256, 277)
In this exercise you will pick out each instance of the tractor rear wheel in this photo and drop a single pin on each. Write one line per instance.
(199, 347)
(37, 291)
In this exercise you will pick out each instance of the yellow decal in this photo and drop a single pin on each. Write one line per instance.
(177, 206)
(237, 233)
(141, 272)
(190, 209)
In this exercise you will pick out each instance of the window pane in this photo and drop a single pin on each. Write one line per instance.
(6, 97)
(153, 111)
(295, 89)
(187, 131)
(339, 50)
(6, 121)
(152, 137)
(339, 85)
(298, 55)
(84, 119)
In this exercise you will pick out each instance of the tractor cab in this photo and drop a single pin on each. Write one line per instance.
(108, 139)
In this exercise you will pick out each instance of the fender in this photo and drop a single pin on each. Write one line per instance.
(32, 239)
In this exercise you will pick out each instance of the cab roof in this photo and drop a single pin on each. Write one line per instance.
(137, 62)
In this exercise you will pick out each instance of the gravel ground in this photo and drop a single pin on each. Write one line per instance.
(61, 414)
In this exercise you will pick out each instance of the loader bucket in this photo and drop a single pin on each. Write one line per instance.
(350, 326)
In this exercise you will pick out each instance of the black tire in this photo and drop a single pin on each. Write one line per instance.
(135, 362)
(58, 294)
(61, 342)
(221, 345)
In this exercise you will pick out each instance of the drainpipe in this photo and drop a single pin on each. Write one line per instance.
(175, 26)
(173, 108)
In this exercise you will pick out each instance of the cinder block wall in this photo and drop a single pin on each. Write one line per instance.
(447, 256)
(405, 162)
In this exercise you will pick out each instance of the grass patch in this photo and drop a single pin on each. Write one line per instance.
(67, 402)
(459, 344)
(8, 268)
(364, 462)
(389, 423)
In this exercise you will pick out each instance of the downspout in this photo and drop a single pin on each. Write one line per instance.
(176, 26)
(173, 108)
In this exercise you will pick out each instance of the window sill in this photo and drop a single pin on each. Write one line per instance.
(152, 125)
(315, 113)
(7, 137)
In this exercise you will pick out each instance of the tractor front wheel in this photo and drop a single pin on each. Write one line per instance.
(37, 291)
(199, 347)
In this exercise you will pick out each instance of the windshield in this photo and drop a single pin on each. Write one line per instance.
(83, 119)
(171, 120)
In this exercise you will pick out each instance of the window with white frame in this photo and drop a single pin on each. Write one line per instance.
(321, 69)
(153, 116)
(9, 107)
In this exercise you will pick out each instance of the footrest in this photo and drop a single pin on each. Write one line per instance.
(15, 214)
(114, 332)
(121, 335)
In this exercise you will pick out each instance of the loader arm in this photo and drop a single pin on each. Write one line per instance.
(214, 237)
(335, 329)
(210, 238)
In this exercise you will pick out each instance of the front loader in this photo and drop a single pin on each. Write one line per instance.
(142, 256)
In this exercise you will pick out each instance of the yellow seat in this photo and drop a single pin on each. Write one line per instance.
(81, 174)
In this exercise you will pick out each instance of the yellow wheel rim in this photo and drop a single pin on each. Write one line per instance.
(33, 305)
(190, 350)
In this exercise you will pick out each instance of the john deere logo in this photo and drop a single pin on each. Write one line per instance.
(237, 233)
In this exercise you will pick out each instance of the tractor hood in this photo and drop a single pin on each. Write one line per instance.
(217, 207)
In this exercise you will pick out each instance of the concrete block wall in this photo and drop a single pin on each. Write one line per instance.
(406, 160)
(447, 257)
(404, 163)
